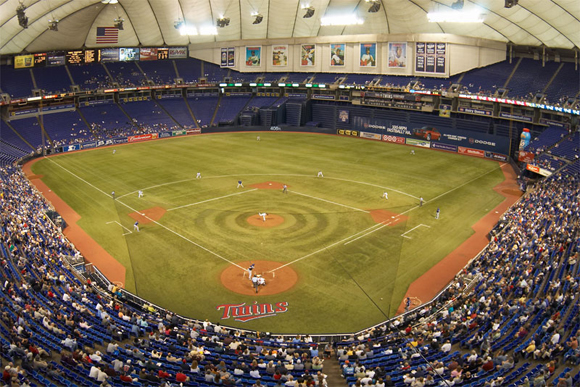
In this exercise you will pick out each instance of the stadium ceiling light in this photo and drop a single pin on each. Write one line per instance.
(119, 23)
(53, 25)
(309, 12)
(187, 30)
(223, 22)
(22, 18)
(258, 17)
(208, 30)
(375, 5)
(109, 1)
(344, 20)
(455, 17)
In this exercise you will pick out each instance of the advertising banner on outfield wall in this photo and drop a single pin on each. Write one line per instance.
(438, 135)
(421, 143)
(89, 145)
(372, 136)
(496, 156)
(471, 152)
(394, 139)
(346, 132)
(71, 148)
(446, 147)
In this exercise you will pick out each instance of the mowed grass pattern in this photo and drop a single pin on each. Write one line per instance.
(342, 288)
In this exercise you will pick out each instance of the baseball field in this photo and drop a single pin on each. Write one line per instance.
(336, 255)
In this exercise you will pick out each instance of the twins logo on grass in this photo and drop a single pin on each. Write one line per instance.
(243, 312)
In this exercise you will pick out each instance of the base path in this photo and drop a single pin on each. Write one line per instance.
(269, 185)
(432, 282)
(387, 217)
(90, 249)
(149, 215)
(237, 280)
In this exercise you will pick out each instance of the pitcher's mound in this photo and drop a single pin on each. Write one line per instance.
(149, 215)
(272, 220)
(236, 279)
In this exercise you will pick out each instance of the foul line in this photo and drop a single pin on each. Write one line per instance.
(209, 200)
(153, 221)
(408, 231)
(464, 184)
(126, 233)
(328, 201)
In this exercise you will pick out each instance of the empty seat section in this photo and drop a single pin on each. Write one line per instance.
(177, 108)
(66, 128)
(148, 113)
(126, 74)
(16, 82)
(90, 77)
(52, 79)
(229, 108)
(161, 72)
(189, 69)
(203, 108)
(29, 129)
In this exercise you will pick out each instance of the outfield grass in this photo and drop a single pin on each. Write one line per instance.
(342, 287)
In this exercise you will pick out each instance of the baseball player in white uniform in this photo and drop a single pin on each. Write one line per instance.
(263, 215)
(136, 226)
(140, 193)
(320, 174)
(198, 176)
(386, 195)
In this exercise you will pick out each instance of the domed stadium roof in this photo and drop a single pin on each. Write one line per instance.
(553, 23)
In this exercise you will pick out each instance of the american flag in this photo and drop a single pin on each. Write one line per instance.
(107, 35)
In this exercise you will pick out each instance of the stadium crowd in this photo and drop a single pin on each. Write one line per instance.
(511, 316)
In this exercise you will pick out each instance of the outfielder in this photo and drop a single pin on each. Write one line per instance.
(386, 195)
(198, 176)
(140, 193)
(320, 174)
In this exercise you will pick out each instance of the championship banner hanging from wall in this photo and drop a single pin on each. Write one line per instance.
(253, 56)
(368, 55)
(430, 57)
(308, 55)
(337, 52)
(231, 57)
(280, 55)
(398, 55)
(224, 57)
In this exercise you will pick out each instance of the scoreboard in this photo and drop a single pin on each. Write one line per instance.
(40, 59)
(82, 56)
(162, 53)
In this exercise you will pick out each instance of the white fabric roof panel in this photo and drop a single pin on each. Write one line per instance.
(554, 23)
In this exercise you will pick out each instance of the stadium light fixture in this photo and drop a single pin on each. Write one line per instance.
(208, 30)
(178, 24)
(187, 30)
(119, 23)
(458, 5)
(375, 5)
(309, 12)
(223, 22)
(510, 3)
(53, 25)
(22, 18)
(473, 16)
(109, 1)
(258, 17)
(343, 20)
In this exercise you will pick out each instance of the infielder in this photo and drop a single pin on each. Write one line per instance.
(240, 184)
(113, 194)
(136, 226)
(386, 195)
(198, 176)
(263, 215)
(285, 189)
(140, 193)
(320, 174)
(421, 201)
(437, 214)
